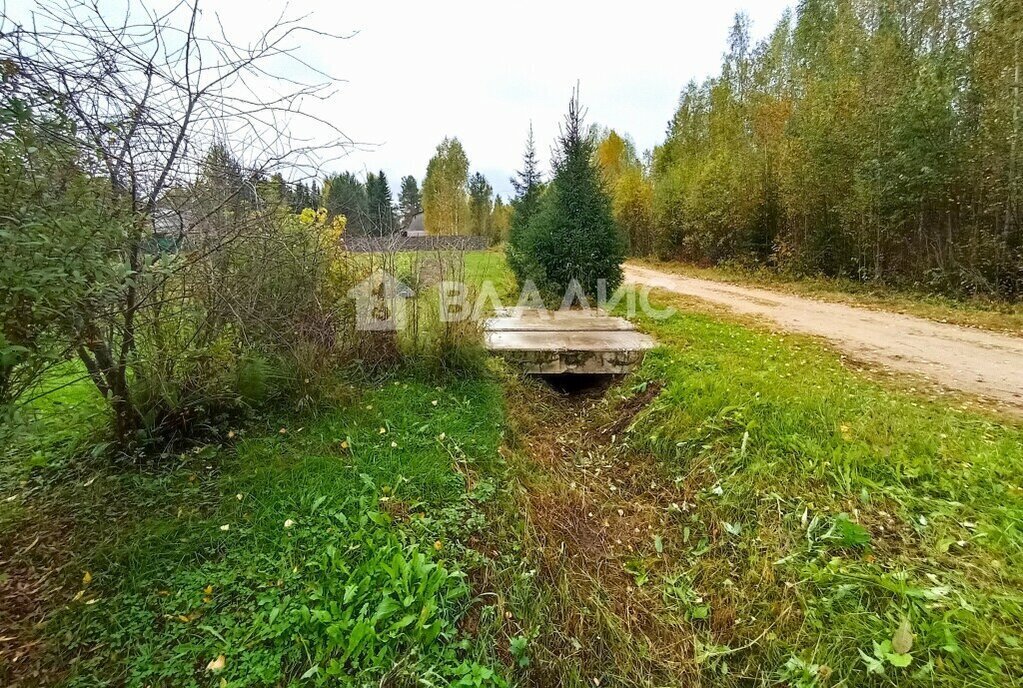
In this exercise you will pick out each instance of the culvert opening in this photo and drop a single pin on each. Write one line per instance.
(580, 383)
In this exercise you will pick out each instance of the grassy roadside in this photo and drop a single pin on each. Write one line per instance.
(744, 510)
(836, 511)
(986, 314)
(748, 510)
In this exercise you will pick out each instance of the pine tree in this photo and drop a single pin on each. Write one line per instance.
(222, 186)
(481, 204)
(500, 220)
(573, 234)
(528, 185)
(380, 205)
(410, 201)
(346, 195)
(300, 198)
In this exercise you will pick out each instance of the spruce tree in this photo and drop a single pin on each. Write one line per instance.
(573, 234)
(299, 198)
(481, 204)
(528, 185)
(346, 195)
(380, 204)
(410, 201)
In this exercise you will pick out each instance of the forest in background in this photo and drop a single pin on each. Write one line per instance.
(873, 140)
(869, 139)
(452, 200)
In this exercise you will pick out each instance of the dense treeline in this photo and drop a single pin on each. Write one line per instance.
(455, 202)
(872, 139)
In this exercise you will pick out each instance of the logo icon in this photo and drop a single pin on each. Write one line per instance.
(380, 302)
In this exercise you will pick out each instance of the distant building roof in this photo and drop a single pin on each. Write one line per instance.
(415, 227)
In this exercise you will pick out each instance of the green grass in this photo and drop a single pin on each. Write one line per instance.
(61, 417)
(783, 520)
(274, 549)
(778, 439)
(805, 513)
(471, 266)
(984, 313)
(491, 265)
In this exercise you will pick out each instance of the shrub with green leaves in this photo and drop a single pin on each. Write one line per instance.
(57, 248)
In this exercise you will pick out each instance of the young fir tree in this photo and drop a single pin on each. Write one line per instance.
(528, 185)
(573, 234)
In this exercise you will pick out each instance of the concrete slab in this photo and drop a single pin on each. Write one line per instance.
(608, 340)
(532, 320)
(559, 342)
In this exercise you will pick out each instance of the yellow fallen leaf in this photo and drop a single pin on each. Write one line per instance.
(226, 527)
(394, 445)
(183, 619)
(283, 431)
(289, 523)
(344, 444)
(217, 665)
(434, 402)
(437, 545)
(383, 431)
(208, 590)
(87, 578)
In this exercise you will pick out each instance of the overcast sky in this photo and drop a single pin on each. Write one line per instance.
(416, 72)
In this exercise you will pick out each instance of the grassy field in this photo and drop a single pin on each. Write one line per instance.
(322, 546)
(744, 510)
(983, 313)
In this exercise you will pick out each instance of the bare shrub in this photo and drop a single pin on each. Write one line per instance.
(151, 107)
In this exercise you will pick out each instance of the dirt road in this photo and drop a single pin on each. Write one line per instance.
(982, 363)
